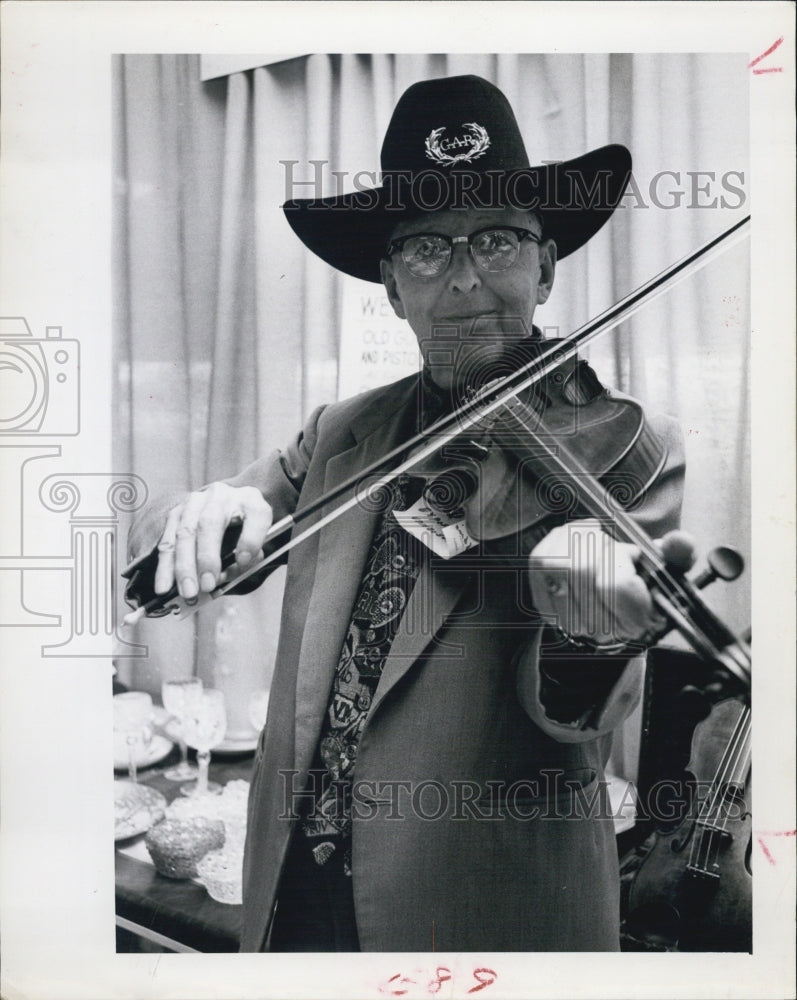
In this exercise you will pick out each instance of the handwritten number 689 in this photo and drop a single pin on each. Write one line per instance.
(399, 985)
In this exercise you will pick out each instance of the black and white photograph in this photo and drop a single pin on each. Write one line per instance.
(397, 456)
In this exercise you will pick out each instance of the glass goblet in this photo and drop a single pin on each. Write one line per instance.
(204, 729)
(180, 698)
(132, 722)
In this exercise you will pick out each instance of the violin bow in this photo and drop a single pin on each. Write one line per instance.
(369, 481)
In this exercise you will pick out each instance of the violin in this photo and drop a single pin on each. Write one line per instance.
(693, 890)
(500, 476)
(517, 412)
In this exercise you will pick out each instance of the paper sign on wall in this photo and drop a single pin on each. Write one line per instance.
(376, 347)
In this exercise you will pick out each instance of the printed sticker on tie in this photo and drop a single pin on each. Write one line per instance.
(443, 534)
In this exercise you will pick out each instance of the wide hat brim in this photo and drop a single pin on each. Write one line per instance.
(574, 199)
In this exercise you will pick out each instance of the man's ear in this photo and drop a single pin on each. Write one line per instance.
(547, 255)
(389, 281)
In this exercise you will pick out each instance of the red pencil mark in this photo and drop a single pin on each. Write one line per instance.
(767, 855)
(484, 977)
(397, 985)
(773, 833)
(442, 975)
(395, 992)
(774, 69)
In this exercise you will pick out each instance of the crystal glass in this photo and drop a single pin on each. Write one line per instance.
(180, 698)
(221, 872)
(204, 728)
(132, 722)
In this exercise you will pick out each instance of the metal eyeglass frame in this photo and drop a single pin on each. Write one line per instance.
(398, 245)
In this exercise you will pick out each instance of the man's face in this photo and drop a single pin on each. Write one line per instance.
(466, 316)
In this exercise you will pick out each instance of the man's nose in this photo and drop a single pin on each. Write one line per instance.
(464, 275)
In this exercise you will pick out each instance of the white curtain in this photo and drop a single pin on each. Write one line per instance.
(228, 331)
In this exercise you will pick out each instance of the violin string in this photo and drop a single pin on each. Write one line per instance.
(675, 595)
(628, 306)
(733, 766)
(738, 765)
(473, 411)
(603, 505)
(708, 813)
(736, 774)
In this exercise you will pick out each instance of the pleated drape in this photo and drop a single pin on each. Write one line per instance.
(227, 330)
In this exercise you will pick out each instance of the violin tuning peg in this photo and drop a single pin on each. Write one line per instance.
(724, 563)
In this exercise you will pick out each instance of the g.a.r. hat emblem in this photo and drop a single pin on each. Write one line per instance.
(474, 143)
(434, 131)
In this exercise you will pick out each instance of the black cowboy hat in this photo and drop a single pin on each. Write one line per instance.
(455, 143)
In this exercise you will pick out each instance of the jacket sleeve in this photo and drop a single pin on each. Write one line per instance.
(279, 478)
(574, 698)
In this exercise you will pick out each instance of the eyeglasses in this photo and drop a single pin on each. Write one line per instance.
(427, 255)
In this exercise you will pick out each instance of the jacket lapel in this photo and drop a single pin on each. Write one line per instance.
(432, 600)
(342, 552)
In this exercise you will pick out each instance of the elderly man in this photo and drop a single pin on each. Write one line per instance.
(429, 773)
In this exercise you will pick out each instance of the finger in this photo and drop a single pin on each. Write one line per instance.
(554, 545)
(164, 572)
(257, 519)
(185, 570)
(212, 524)
(548, 577)
(635, 615)
(611, 602)
(678, 549)
(547, 583)
(599, 566)
(641, 619)
(570, 595)
(627, 597)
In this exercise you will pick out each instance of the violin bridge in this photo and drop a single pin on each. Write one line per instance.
(702, 873)
(721, 832)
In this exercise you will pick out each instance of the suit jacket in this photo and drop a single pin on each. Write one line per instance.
(478, 822)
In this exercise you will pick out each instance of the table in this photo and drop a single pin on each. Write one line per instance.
(176, 914)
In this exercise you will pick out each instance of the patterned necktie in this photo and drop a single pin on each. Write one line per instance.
(390, 574)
